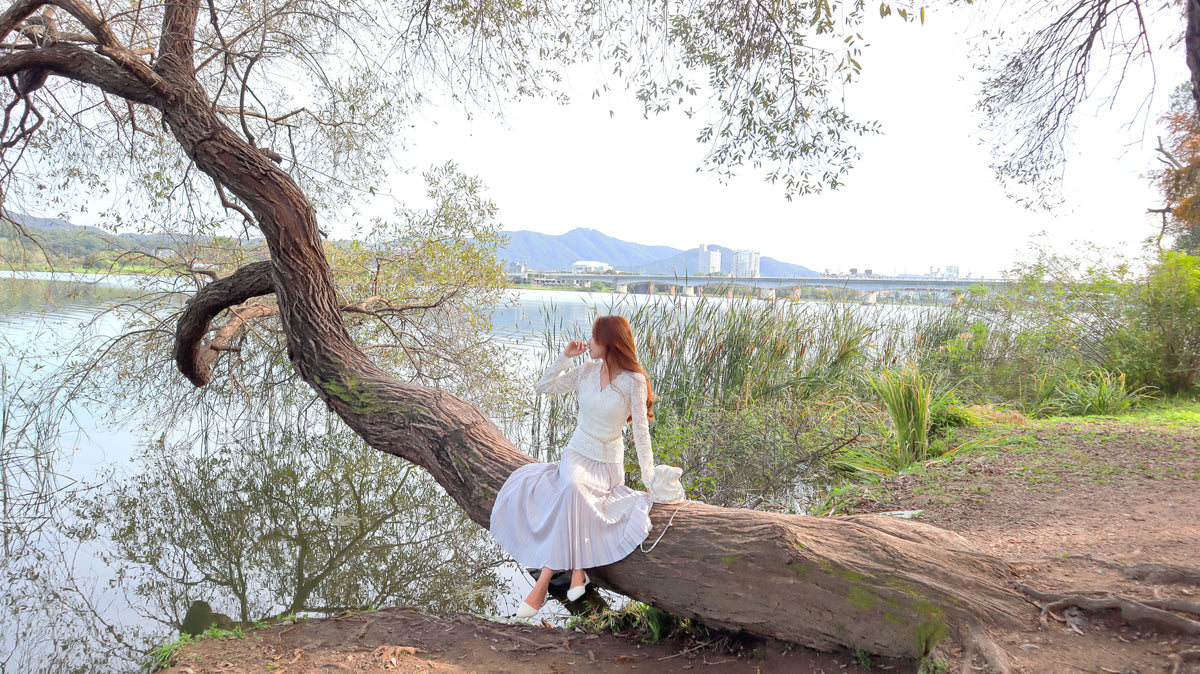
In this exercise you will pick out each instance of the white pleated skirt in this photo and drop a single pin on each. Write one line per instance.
(575, 513)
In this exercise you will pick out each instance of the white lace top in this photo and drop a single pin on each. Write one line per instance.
(602, 412)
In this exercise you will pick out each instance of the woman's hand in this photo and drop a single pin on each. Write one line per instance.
(575, 348)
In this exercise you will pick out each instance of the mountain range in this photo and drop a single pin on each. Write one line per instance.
(547, 252)
(61, 238)
(541, 252)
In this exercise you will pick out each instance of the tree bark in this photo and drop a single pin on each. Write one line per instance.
(1191, 43)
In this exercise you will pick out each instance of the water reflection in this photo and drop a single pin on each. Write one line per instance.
(21, 296)
(267, 522)
(274, 522)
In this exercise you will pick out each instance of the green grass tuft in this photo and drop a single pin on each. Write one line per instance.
(642, 620)
(1098, 392)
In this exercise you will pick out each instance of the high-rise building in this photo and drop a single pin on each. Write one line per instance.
(951, 271)
(745, 264)
(710, 260)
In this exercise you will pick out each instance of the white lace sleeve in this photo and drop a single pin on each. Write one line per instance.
(556, 380)
(641, 425)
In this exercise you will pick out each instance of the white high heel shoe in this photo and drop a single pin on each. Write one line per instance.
(576, 592)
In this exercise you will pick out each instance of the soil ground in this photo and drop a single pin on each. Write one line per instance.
(1123, 490)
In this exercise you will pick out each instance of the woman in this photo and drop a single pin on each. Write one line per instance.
(577, 513)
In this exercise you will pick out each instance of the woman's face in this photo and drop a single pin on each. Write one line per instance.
(596, 350)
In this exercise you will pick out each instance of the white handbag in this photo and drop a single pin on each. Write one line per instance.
(664, 485)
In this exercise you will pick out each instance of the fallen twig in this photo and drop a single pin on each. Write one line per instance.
(686, 651)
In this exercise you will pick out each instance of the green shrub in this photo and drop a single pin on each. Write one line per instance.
(862, 658)
(1067, 316)
(163, 656)
(918, 416)
(946, 411)
(759, 453)
(1158, 344)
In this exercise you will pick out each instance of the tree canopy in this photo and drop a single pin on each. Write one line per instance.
(1178, 175)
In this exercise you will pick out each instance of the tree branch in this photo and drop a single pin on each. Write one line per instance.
(108, 43)
(229, 205)
(16, 14)
(176, 49)
(81, 65)
(193, 358)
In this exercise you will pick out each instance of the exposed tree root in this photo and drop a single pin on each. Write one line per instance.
(1172, 604)
(977, 643)
(1150, 572)
(1132, 611)
(1183, 658)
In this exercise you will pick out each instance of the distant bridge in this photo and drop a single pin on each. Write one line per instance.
(766, 285)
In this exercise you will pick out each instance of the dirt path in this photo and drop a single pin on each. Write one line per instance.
(399, 640)
(1124, 491)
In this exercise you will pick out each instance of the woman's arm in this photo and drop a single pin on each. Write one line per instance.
(560, 378)
(641, 425)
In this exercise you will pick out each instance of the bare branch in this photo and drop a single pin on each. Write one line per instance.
(1032, 98)
(242, 100)
(16, 13)
(249, 219)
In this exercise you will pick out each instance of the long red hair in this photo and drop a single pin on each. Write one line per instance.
(620, 352)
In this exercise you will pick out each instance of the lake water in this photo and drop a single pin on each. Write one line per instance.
(136, 525)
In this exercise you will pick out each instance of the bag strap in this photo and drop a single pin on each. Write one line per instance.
(642, 545)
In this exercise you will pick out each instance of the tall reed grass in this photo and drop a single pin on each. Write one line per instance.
(731, 352)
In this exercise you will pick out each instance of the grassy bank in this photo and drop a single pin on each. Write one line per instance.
(1063, 455)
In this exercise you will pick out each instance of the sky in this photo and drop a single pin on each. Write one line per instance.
(922, 195)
